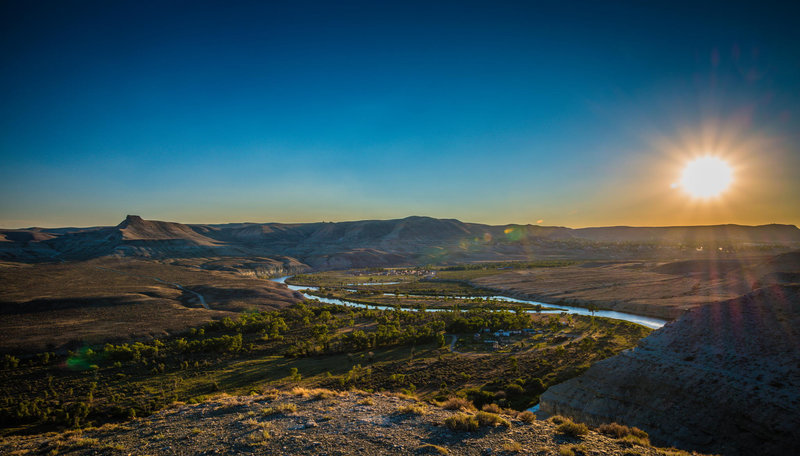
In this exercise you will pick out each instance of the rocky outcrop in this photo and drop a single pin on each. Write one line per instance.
(724, 378)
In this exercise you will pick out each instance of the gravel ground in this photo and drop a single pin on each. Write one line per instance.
(317, 422)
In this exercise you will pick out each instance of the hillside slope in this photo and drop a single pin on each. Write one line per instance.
(725, 378)
(406, 241)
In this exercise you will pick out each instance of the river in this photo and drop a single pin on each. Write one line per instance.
(649, 322)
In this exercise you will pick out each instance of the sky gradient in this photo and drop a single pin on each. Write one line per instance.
(573, 114)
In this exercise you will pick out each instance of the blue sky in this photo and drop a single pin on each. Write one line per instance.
(572, 113)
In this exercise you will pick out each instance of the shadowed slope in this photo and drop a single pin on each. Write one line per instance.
(725, 377)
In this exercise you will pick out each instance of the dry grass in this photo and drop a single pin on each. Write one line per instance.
(457, 403)
(467, 422)
(260, 437)
(526, 416)
(565, 450)
(462, 422)
(491, 419)
(270, 394)
(571, 428)
(255, 423)
(315, 393)
(366, 401)
(636, 440)
(430, 448)
(407, 396)
(512, 447)
(620, 431)
(284, 409)
(412, 409)
(492, 408)
(224, 401)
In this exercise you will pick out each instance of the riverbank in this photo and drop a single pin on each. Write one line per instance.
(649, 322)
(659, 290)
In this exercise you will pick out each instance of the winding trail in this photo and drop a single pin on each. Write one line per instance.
(176, 285)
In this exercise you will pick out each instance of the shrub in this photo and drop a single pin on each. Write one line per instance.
(573, 429)
(457, 403)
(294, 375)
(636, 440)
(462, 422)
(639, 433)
(260, 437)
(512, 447)
(280, 408)
(321, 393)
(366, 401)
(315, 393)
(614, 430)
(412, 409)
(491, 419)
(514, 390)
(492, 408)
(565, 450)
(557, 419)
(526, 416)
(84, 442)
(429, 448)
(632, 435)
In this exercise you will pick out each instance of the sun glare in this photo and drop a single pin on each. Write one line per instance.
(706, 177)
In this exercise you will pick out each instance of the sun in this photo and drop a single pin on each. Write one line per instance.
(706, 177)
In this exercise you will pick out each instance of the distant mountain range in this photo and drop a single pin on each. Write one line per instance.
(411, 240)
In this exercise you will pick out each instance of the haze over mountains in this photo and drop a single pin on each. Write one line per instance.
(411, 240)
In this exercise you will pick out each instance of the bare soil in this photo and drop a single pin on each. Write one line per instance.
(653, 289)
(48, 306)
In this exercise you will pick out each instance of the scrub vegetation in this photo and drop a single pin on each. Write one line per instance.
(450, 356)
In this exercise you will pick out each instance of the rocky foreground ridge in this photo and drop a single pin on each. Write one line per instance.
(724, 378)
(322, 422)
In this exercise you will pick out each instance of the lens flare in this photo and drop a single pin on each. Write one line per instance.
(706, 177)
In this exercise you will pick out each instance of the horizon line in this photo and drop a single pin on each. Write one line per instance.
(403, 218)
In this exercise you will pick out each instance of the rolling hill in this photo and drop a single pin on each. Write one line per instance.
(411, 240)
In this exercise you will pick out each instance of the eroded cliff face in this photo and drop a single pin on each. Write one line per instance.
(724, 378)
